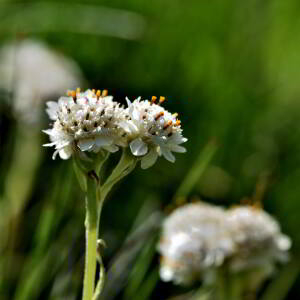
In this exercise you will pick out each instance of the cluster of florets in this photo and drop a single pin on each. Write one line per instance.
(198, 239)
(257, 236)
(194, 241)
(92, 121)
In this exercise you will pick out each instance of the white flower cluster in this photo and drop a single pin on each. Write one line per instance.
(33, 72)
(199, 238)
(193, 240)
(257, 236)
(91, 121)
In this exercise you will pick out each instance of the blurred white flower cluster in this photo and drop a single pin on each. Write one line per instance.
(33, 73)
(194, 240)
(257, 236)
(91, 121)
(198, 238)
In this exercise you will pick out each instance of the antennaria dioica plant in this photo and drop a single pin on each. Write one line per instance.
(89, 127)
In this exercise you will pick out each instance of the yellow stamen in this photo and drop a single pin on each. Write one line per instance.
(178, 122)
(72, 94)
(169, 123)
(93, 91)
(162, 99)
(104, 93)
(175, 115)
(153, 99)
(257, 206)
(159, 115)
(98, 94)
(78, 90)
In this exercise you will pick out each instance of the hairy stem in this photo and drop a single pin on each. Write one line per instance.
(95, 196)
(91, 226)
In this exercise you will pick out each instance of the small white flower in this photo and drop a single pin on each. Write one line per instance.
(194, 242)
(33, 72)
(152, 131)
(257, 236)
(198, 238)
(86, 121)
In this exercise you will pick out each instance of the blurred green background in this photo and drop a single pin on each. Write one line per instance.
(231, 70)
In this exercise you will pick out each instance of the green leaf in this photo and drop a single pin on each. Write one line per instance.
(197, 170)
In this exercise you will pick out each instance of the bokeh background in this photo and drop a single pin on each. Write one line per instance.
(230, 68)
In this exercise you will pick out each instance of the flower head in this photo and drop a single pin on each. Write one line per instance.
(34, 73)
(152, 131)
(257, 236)
(194, 242)
(86, 121)
(197, 239)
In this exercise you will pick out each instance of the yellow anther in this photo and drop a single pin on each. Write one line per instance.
(72, 94)
(78, 90)
(94, 91)
(153, 99)
(159, 115)
(169, 123)
(162, 99)
(175, 115)
(257, 206)
(178, 122)
(98, 94)
(104, 93)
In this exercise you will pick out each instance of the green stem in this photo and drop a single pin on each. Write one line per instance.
(126, 164)
(221, 285)
(95, 196)
(91, 225)
(235, 287)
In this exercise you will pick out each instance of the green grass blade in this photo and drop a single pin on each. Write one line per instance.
(197, 170)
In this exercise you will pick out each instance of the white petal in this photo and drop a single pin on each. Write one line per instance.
(86, 144)
(49, 144)
(138, 147)
(111, 148)
(283, 242)
(177, 148)
(48, 131)
(52, 110)
(129, 126)
(128, 101)
(103, 141)
(166, 273)
(158, 140)
(54, 154)
(136, 114)
(149, 159)
(65, 100)
(65, 153)
(168, 155)
(52, 114)
(184, 140)
(108, 98)
(177, 139)
(62, 144)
